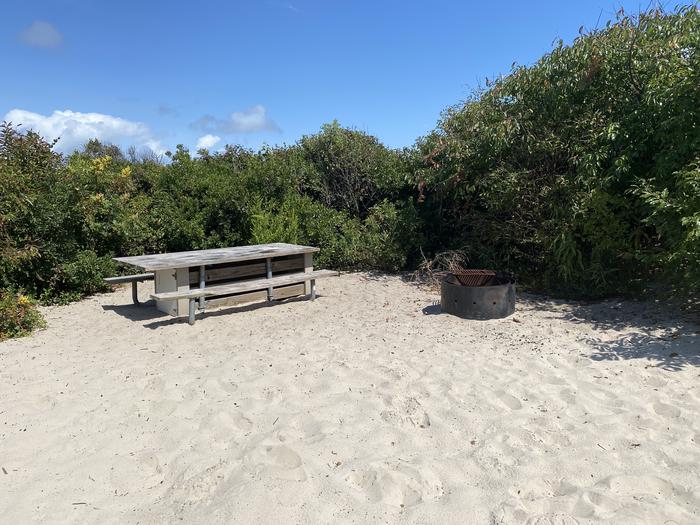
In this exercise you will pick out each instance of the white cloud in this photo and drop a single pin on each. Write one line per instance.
(207, 141)
(73, 129)
(251, 120)
(155, 146)
(41, 34)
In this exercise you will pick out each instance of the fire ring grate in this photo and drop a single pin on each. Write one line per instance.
(488, 296)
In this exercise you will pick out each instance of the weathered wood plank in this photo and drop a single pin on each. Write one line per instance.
(230, 273)
(234, 300)
(287, 291)
(164, 261)
(244, 286)
(248, 270)
(283, 292)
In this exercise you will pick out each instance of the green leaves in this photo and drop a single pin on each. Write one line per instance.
(18, 315)
(352, 171)
(574, 172)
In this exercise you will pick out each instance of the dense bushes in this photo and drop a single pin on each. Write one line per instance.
(351, 171)
(50, 215)
(580, 174)
(64, 218)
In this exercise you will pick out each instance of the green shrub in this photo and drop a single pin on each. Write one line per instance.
(82, 275)
(334, 232)
(58, 218)
(380, 242)
(18, 315)
(390, 234)
(578, 173)
(351, 171)
(275, 224)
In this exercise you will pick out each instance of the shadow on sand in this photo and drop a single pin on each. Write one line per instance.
(433, 309)
(143, 312)
(662, 334)
(670, 353)
(147, 311)
(665, 336)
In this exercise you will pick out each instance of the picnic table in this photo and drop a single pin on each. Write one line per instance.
(225, 275)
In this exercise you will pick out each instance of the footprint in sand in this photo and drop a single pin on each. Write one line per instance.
(552, 519)
(533, 509)
(510, 401)
(636, 485)
(278, 461)
(554, 380)
(400, 485)
(220, 386)
(568, 396)
(194, 487)
(541, 488)
(655, 382)
(242, 422)
(666, 410)
(405, 410)
(308, 430)
(222, 426)
(154, 384)
(595, 502)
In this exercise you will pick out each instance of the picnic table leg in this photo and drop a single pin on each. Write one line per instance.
(308, 267)
(135, 292)
(313, 289)
(172, 280)
(191, 318)
(268, 265)
(202, 281)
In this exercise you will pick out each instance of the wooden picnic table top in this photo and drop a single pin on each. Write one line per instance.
(166, 261)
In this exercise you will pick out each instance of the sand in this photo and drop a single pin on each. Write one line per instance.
(364, 406)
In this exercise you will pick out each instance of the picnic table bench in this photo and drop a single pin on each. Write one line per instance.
(134, 280)
(225, 276)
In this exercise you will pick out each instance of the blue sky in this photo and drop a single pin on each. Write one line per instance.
(156, 74)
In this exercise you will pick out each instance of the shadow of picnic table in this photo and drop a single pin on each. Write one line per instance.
(147, 311)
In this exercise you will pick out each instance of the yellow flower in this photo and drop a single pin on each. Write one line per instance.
(100, 164)
(23, 300)
(126, 172)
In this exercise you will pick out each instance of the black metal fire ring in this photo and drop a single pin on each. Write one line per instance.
(477, 302)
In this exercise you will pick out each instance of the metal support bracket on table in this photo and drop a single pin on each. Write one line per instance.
(268, 266)
(135, 292)
(202, 283)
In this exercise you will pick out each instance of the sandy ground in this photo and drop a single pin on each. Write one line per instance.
(364, 406)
